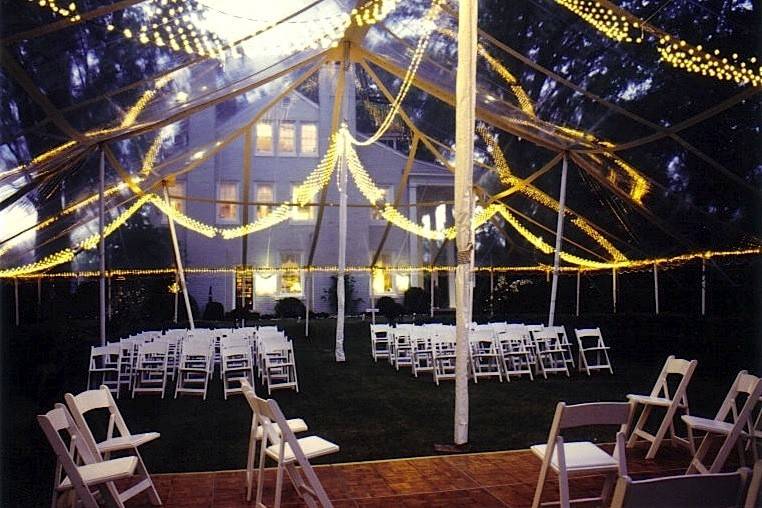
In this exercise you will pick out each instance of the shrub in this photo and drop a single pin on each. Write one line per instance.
(350, 302)
(289, 308)
(388, 308)
(214, 311)
(417, 301)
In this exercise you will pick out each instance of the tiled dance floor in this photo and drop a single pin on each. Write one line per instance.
(499, 479)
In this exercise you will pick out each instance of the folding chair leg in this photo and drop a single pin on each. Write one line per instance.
(540, 484)
(278, 485)
(261, 473)
(639, 426)
(659, 436)
(608, 487)
(697, 463)
(250, 461)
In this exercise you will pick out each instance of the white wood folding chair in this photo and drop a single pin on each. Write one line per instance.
(92, 475)
(281, 445)
(280, 367)
(565, 344)
(236, 365)
(257, 433)
(403, 349)
(194, 368)
(551, 356)
(422, 350)
(727, 425)
(660, 397)
(483, 357)
(723, 490)
(151, 369)
(124, 441)
(127, 358)
(104, 364)
(380, 336)
(583, 457)
(514, 355)
(593, 353)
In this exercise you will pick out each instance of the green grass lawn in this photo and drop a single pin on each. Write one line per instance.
(373, 411)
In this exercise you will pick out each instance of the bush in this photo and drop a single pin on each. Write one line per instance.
(388, 308)
(214, 311)
(289, 308)
(417, 301)
(350, 302)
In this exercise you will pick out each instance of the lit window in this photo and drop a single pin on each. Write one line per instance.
(287, 138)
(388, 198)
(309, 139)
(290, 277)
(264, 137)
(382, 279)
(402, 282)
(440, 216)
(227, 213)
(265, 194)
(265, 284)
(177, 190)
(301, 213)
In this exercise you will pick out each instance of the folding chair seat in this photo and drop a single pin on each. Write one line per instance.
(514, 355)
(565, 344)
(582, 458)
(104, 364)
(660, 397)
(281, 445)
(256, 434)
(151, 369)
(482, 355)
(280, 367)
(551, 356)
(593, 353)
(237, 365)
(194, 368)
(92, 476)
(724, 490)
(422, 350)
(380, 336)
(81, 404)
(727, 425)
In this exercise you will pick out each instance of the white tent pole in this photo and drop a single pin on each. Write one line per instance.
(703, 286)
(432, 274)
(177, 300)
(559, 236)
(16, 300)
(613, 290)
(372, 297)
(102, 249)
(39, 298)
(578, 284)
(465, 103)
(491, 292)
(656, 289)
(306, 310)
(178, 259)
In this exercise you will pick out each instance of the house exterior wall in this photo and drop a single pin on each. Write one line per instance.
(292, 239)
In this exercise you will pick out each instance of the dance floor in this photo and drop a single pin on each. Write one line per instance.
(497, 479)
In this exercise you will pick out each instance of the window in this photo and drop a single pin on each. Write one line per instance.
(287, 138)
(176, 189)
(264, 138)
(301, 213)
(309, 139)
(290, 277)
(382, 279)
(227, 213)
(265, 194)
(375, 213)
(265, 284)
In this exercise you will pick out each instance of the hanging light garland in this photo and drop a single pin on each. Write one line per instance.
(69, 11)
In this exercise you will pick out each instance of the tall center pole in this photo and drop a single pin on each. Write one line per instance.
(465, 103)
(559, 236)
(102, 250)
(340, 290)
(178, 260)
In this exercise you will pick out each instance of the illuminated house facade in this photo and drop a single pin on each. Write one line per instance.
(287, 143)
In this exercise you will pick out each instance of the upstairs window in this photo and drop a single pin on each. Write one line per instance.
(177, 190)
(290, 277)
(287, 138)
(227, 213)
(265, 194)
(265, 138)
(301, 213)
(309, 140)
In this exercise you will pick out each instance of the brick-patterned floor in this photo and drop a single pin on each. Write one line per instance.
(500, 479)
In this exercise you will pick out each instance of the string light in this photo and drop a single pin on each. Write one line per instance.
(321, 175)
(276, 216)
(92, 241)
(693, 59)
(69, 11)
(180, 218)
(604, 19)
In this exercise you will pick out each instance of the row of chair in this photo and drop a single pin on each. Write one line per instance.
(144, 362)
(84, 466)
(729, 427)
(498, 350)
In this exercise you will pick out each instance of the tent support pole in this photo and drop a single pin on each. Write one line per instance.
(372, 297)
(656, 289)
(307, 310)
(178, 260)
(559, 236)
(432, 275)
(102, 250)
(177, 300)
(613, 289)
(464, 160)
(16, 300)
(579, 272)
(343, 181)
(39, 299)
(491, 292)
(703, 286)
